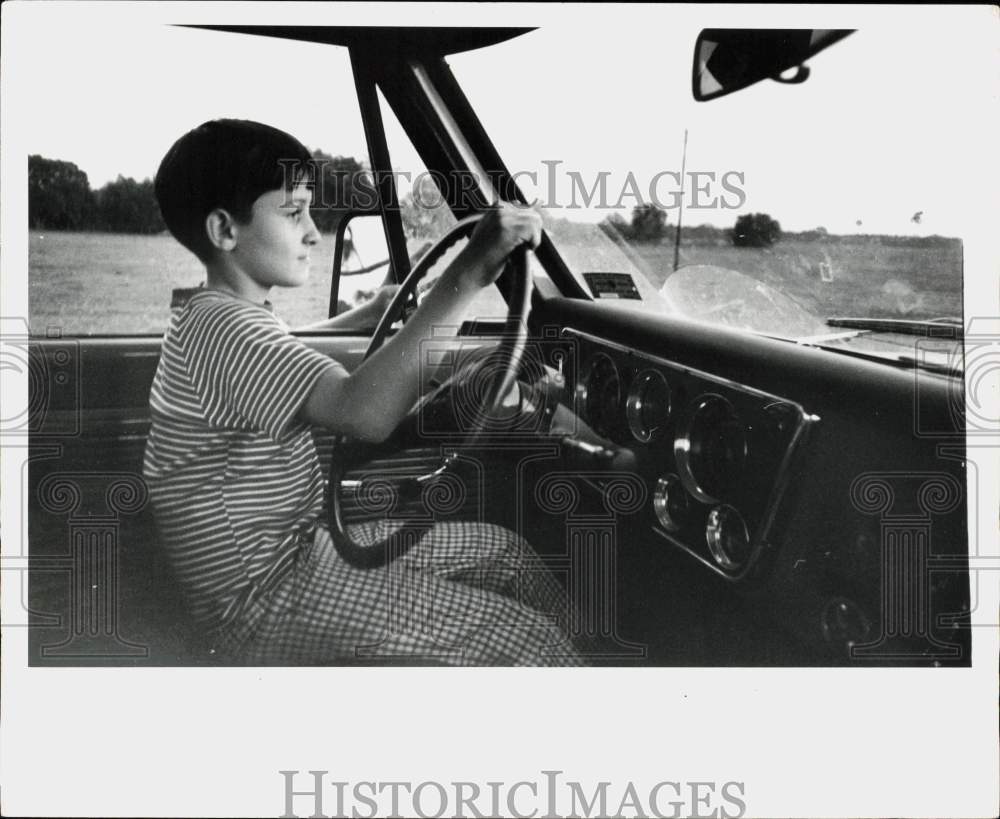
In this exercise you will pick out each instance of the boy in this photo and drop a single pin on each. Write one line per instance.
(231, 465)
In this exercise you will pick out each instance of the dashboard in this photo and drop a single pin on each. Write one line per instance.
(716, 455)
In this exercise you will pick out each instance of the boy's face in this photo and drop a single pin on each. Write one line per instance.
(273, 248)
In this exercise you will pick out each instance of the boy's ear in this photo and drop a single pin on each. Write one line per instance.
(221, 229)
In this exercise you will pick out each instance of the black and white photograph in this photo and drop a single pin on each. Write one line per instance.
(499, 410)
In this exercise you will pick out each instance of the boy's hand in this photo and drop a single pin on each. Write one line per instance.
(503, 228)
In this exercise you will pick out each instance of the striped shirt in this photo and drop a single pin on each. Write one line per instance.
(233, 473)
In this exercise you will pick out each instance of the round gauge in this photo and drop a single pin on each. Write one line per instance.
(603, 398)
(712, 451)
(648, 406)
(670, 502)
(727, 538)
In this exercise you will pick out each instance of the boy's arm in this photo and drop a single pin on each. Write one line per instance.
(370, 402)
(363, 317)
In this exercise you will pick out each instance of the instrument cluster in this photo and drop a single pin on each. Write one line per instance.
(715, 453)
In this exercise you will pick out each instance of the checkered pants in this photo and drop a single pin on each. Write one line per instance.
(466, 594)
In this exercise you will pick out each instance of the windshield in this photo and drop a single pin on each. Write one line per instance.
(773, 210)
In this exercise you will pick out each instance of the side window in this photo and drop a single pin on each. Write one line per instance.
(100, 261)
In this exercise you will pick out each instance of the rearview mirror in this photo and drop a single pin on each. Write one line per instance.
(728, 59)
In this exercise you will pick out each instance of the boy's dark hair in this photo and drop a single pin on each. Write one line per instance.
(225, 163)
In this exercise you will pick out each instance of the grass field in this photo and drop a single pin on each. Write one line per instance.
(94, 283)
(109, 283)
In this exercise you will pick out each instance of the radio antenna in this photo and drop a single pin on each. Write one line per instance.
(680, 213)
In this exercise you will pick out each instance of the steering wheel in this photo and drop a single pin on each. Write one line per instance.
(487, 380)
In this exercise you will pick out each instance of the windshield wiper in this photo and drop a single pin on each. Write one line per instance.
(945, 364)
(942, 355)
(950, 328)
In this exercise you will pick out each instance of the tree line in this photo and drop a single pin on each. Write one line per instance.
(60, 198)
(649, 224)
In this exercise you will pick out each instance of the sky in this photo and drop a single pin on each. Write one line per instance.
(882, 129)
(886, 127)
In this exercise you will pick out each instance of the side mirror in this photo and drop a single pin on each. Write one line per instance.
(361, 259)
(729, 59)
(360, 250)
